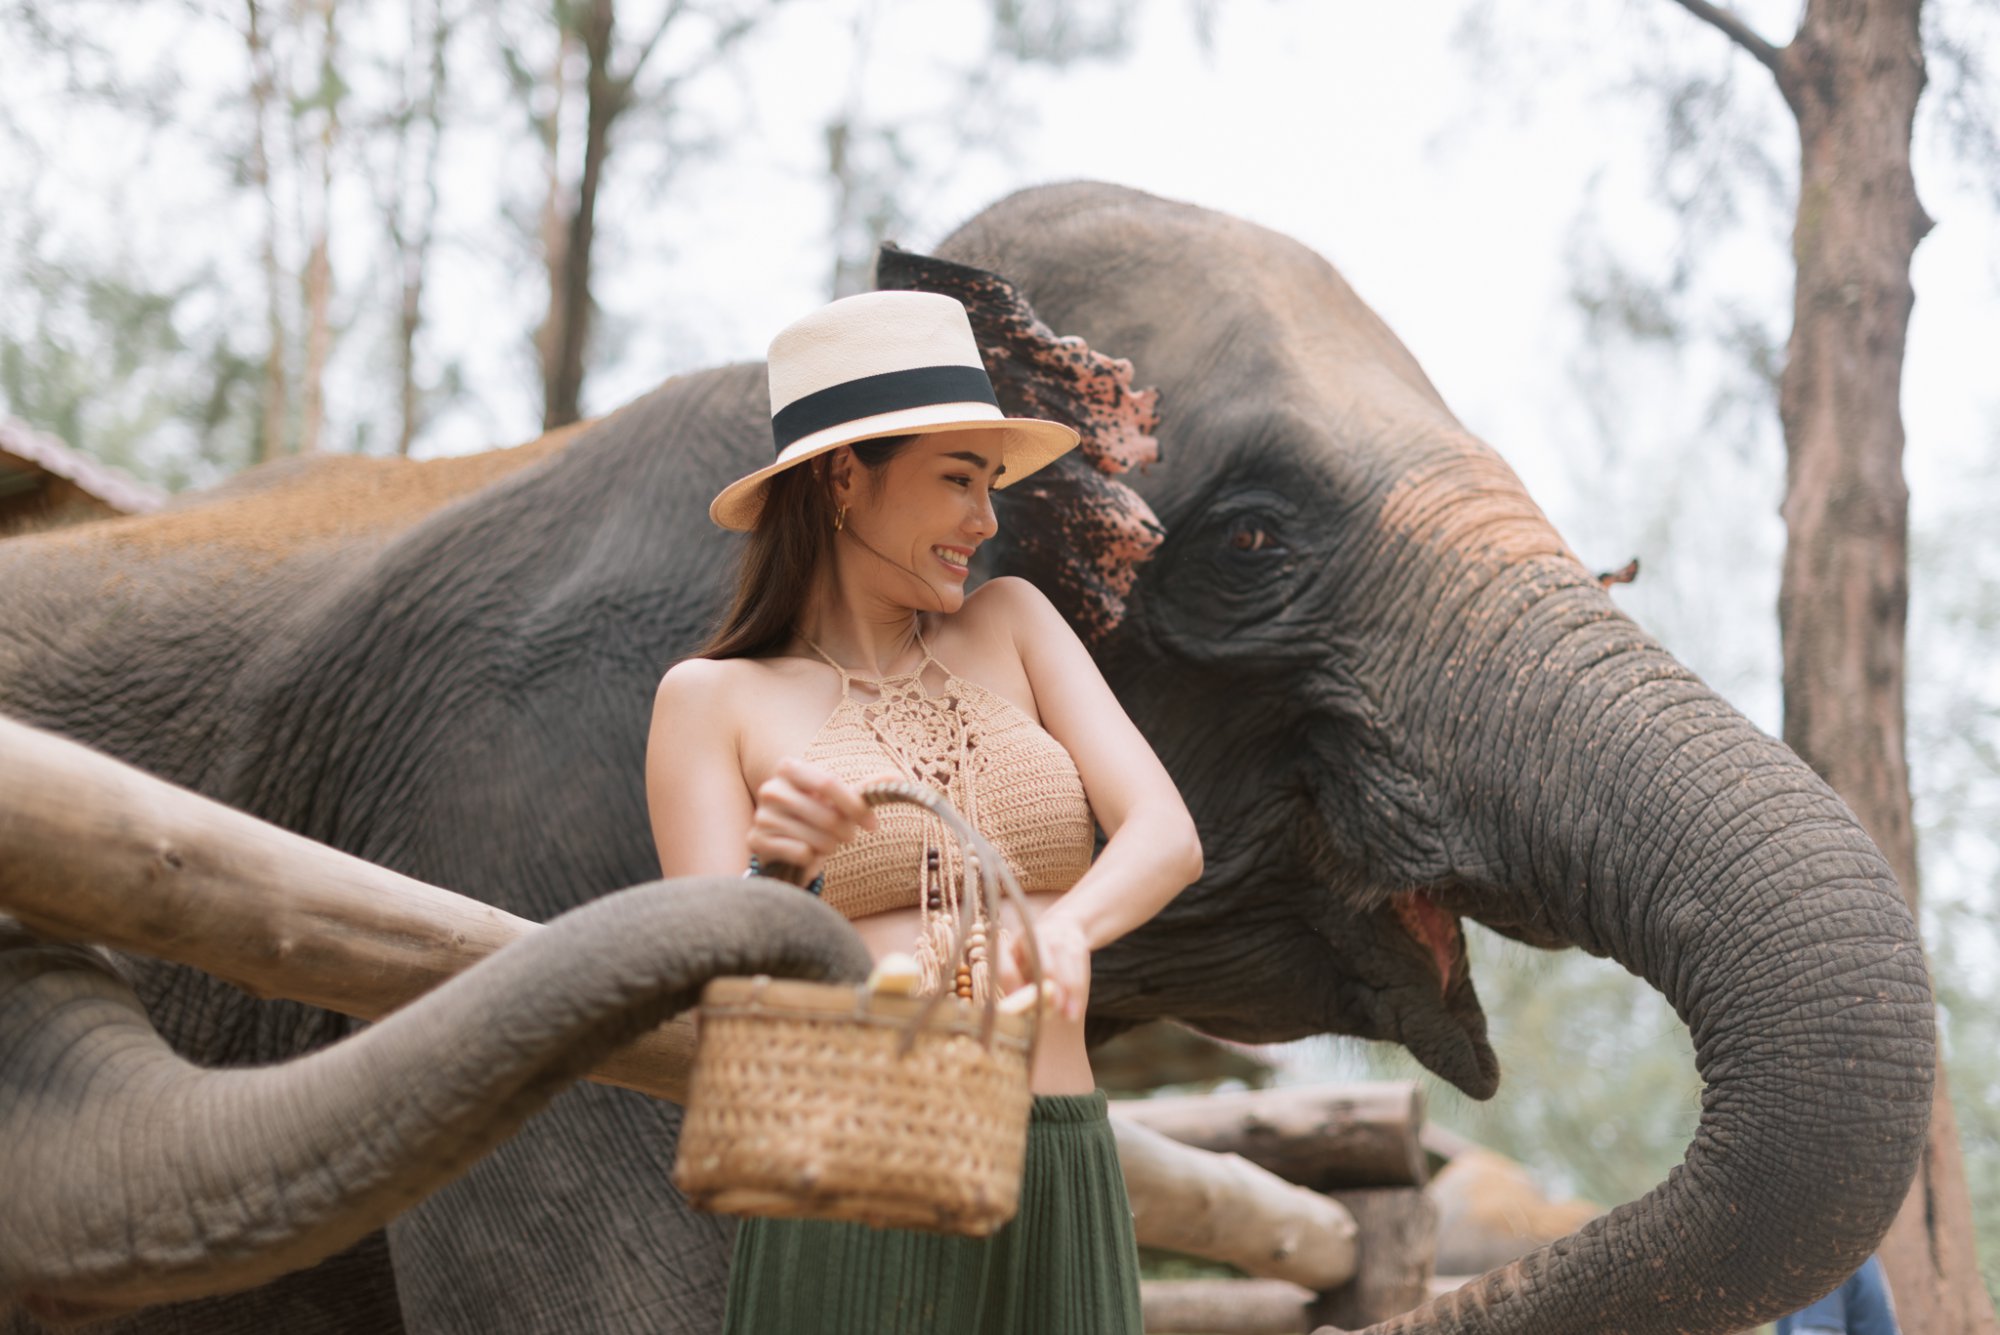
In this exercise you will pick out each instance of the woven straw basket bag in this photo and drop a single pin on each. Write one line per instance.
(815, 1100)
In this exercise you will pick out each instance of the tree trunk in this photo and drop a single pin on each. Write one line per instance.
(555, 214)
(411, 239)
(263, 91)
(568, 331)
(1852, 76)
(319, 260)
(93, 850)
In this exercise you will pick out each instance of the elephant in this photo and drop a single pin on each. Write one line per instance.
(1392, 696)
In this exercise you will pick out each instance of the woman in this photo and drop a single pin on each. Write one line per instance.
(852, 651)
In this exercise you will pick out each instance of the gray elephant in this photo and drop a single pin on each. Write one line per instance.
(1390, 694)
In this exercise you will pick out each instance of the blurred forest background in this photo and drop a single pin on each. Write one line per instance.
(236, 230)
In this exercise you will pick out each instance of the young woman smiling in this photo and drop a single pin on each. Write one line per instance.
(853, 651)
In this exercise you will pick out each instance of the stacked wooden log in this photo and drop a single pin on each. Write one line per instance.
(1351, 1148)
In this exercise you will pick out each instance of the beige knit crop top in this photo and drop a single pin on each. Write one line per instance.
(1006, 775)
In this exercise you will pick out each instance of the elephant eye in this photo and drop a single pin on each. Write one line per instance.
(1252, 538)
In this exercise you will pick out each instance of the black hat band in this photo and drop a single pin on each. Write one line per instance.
(852, 400)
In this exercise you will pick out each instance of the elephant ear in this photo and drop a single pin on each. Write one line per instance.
(1086, 533)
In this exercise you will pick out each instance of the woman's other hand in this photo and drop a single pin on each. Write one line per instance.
(804, 814)
(1065, 963)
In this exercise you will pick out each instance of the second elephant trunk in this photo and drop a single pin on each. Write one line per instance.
(1628, 810)
(134, 1178)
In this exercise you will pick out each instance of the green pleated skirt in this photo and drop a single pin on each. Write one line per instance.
(1065, 1265)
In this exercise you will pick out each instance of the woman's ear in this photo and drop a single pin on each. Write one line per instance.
(838, 467)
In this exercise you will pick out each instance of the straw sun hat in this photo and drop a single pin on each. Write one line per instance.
(883, 364)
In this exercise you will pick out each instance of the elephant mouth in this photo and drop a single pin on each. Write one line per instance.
(1435, 928)
(1431, 1007)
(1384, 965)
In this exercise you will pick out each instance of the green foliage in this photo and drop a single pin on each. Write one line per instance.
(1962, 107)
(1598, 1092)
(878, 161)
(1059, 32)
(141, 374)
(1155, 1263)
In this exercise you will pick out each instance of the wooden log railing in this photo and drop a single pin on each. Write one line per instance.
(1398, 1231)
(1302, 1130)
(1326, 1137)
(1224, 1307)
(1221, 1207)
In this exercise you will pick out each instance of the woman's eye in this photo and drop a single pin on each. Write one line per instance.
(960, 479)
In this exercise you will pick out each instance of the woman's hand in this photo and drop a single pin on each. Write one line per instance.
(804, 813)
(1065, 963)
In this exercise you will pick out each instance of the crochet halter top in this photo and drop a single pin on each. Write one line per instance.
(1006, 775)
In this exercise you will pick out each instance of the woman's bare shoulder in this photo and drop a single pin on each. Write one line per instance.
(1009, 609)
(697, 680)
(1005, 603)
(711, 683)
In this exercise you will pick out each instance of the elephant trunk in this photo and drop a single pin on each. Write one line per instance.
(134, 1178)
(1626, 809)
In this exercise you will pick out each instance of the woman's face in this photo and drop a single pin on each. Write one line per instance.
(926, 511)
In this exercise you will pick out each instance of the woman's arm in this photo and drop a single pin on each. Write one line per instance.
(1152, 850)
(705, 819)
(700, 806)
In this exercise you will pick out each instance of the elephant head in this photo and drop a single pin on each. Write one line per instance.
(1393, 699)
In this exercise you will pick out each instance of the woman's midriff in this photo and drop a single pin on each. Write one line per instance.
(1061, 1064)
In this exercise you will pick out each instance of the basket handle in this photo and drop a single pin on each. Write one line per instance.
(984, 869)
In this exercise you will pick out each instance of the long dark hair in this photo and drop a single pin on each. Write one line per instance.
(785, 552)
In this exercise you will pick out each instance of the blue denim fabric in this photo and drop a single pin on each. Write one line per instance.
(1861, 1306)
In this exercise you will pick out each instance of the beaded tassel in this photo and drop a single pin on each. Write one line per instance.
(978, 967)
(940, 918)
(969, 975)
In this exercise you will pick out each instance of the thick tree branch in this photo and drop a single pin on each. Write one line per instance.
(1736, 29)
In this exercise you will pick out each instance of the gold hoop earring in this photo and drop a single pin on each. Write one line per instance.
(839, 518)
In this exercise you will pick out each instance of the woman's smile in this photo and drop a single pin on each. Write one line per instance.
(954, 559)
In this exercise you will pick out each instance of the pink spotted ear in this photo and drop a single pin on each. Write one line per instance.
(1081, 534)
